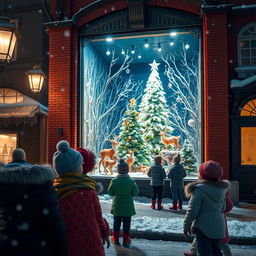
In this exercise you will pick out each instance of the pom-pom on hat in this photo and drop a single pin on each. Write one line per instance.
(89, 159)
(66, 159)
(210, 170)
(122, 167)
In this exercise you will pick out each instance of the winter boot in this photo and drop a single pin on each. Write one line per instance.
(180, 204)
(115, 238)
(153, 204)
(126, 239)
(174, 206)
(159, 205)
(189, 253)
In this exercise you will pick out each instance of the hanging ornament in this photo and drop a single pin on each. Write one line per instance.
(127, 71)
(178, 99)
(191, 123)
(170, 85)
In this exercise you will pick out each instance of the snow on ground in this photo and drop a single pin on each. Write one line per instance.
(175, 225)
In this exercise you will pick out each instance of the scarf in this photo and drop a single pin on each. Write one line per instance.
(70, 182)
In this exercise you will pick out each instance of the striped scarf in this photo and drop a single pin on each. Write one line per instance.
(70, 182)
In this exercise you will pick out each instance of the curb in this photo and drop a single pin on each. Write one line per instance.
(150, 235)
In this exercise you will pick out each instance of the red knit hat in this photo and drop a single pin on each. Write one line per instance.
(210, 170)
(89, 159)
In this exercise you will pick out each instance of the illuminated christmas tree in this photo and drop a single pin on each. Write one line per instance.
(188, 158)
(154, 113)
(130, 137)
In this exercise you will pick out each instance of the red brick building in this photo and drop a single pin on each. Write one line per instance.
(228, 40)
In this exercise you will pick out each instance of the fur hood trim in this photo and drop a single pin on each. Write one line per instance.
(34, 175)
(218, 184)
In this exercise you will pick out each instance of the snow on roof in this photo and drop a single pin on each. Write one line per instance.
(22, 112)
(242, 83)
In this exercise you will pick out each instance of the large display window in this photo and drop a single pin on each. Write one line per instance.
(141, 96)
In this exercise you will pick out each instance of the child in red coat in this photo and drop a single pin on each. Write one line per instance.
(79, 203)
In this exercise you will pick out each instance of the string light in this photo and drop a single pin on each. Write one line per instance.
(171, 43)
(122, 52)
(187, 46)
(108, 52)
(139, 56)
(159, 47)
(133, 50)
(146, 44)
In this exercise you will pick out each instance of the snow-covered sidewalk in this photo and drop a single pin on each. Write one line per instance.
(165, 221)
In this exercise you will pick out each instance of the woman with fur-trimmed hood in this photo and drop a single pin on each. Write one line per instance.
(30, 219)
(205, 214)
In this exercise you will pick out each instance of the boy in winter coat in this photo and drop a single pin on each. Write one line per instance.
(176, 175)
(205, 214)
(157, 174)
(79, 203)
(30, 217)
(122, 189)
(224, 242)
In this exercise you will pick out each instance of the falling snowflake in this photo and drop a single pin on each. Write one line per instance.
(215, 61)
(45, 211)
(19, 207)
(23, 227)
(230, 61)
(105, 11)
(51, 56)
(40, 11)
(43, 243)
(207, 32)
(229, 25)
(67, 33)
(191, 123)
(112, 8)
(25, 196)
(62, 89)
(63, 47)
(14, 243)
(209, 97)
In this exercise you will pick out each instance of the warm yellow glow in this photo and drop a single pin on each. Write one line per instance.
(8, 142)
(7, 44)
(36, 82)
(248, 145)
(249, 109)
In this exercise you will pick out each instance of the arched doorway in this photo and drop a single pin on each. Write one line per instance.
(244, 141)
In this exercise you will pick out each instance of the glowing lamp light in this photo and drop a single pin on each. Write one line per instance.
(36, 78)
(8, 40)
(173, 34)
(171, 43)
(109, 39)
(108, 52)
(187, 46)
(139, 56)
(132, 50)
(122, 52)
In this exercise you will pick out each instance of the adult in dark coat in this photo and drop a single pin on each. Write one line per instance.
(18, 159)
(30, 220)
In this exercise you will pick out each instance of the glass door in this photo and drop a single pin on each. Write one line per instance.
(8, 142)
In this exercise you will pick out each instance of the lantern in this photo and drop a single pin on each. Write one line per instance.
(8, 40)
(36, 78)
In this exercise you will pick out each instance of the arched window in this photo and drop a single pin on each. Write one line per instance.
(247, 45)
(10, 96)
(249, 109)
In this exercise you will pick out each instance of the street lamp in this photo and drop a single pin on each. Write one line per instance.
(36, 78)
(8, 39)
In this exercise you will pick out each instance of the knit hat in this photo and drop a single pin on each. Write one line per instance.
(122, 167)
(66, 159)
(89, 159)
(158, 159)
(210, 170)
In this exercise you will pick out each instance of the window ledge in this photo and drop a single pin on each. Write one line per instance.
(246, 71)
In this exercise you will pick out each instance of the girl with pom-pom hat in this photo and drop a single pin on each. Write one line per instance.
(79, 203)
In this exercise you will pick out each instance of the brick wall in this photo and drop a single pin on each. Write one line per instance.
(216, 109)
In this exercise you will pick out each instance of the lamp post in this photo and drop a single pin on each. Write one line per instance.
(36, 78)
(8, 40)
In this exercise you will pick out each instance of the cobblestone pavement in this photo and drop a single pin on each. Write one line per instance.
(141, 247)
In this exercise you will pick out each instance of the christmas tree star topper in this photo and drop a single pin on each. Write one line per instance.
(132, 102)
(154, 65)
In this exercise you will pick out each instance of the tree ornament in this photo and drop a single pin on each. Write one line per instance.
(191, 122)
(178, 99)
(127, 71)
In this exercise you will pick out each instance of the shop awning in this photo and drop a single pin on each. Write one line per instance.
(21, 112)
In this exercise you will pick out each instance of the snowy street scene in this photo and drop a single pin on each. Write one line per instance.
(127, 128)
